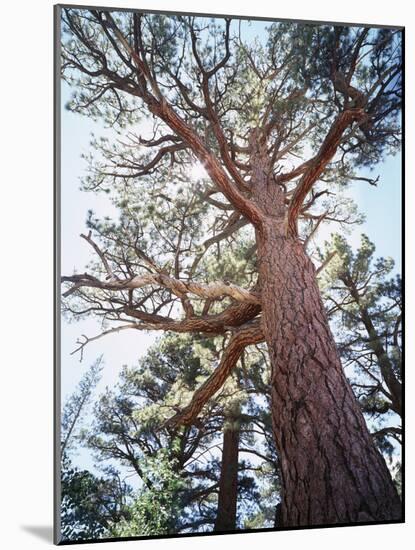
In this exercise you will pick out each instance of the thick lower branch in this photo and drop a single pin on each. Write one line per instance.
(251, 333)
(233, 316)
(211, 290)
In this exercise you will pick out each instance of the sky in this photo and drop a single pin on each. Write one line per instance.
(381, 206)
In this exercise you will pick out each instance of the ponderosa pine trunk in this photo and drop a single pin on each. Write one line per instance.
(228, 483)
(331, 470)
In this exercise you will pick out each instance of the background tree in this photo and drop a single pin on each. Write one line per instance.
(74, 407)
(89, 503)
(181, 471)
(277, 126)
(365, 304)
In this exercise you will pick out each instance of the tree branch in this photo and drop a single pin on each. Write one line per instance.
(319, 162)
(250, 333)
(162, 109)
(179, 288)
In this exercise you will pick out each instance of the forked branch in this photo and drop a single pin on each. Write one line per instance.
(161, 108)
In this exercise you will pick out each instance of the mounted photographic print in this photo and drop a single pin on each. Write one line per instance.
(228, 274)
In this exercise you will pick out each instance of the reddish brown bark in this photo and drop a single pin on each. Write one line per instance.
(316, 166)
(228, 484)
(250, 333)
(331, 470)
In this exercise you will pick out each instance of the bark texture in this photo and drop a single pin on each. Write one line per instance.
(331, 470)
(228, 484)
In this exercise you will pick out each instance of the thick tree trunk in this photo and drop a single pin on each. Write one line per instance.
(228, 484)
(331, 470)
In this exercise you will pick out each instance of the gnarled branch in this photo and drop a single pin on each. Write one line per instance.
(179, 288)
(160, 107)
(250, 333)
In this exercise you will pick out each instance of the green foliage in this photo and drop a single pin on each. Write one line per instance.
(89, 503)
(365, 305)
(157, 506)
(74, 407)
(128, 429)
(180, 467)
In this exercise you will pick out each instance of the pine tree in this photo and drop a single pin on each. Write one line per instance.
(278, 127)
(89, 503)
(364, 301)
(176, 466)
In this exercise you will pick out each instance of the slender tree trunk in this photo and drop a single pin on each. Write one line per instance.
(386, 368)
(228, 484)
(331, 470)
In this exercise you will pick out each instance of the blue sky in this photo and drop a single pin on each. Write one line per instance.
(381, 206)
